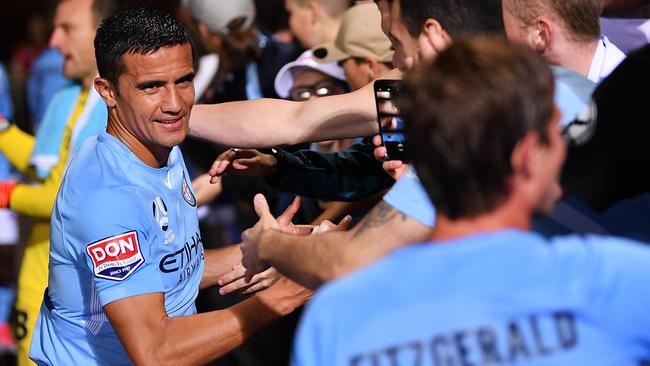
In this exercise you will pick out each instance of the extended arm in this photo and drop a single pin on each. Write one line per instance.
(271, 122)
(313, 260)
(151, 337)
(348, 175)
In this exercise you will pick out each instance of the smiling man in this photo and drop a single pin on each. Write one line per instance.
(126, 260)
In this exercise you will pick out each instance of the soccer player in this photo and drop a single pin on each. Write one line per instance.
(126, 260)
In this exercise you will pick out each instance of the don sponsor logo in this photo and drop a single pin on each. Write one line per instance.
(117, 257)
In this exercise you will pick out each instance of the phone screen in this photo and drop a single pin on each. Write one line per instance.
(391, 124)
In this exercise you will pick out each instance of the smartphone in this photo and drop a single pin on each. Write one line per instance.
(391, 124)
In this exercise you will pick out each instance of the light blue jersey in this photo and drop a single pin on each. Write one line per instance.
(119, 229)
(502, 298)
(409, 197)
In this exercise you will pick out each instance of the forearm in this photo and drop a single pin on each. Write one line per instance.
(313, 260)
(200, 338)
(37, 200)
(342, 176)
(34, 200)
(271, 122)
(218, 262)
(308, 260)
(17, 146)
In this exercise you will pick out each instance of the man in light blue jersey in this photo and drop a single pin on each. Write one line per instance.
(486, 290)
(126, 260)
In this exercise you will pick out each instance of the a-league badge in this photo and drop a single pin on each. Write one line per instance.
(187, 193)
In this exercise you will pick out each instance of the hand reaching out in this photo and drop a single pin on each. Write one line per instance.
(244, 163)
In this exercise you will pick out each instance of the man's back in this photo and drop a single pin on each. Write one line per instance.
(119, 229)
(501, 298)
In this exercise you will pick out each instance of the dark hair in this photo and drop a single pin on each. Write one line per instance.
(136, 30)
(464, 114)
(473, 17)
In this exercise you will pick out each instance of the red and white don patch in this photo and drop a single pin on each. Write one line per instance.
(117, 257)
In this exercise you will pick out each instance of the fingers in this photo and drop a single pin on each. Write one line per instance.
(395, 168)
(324, 227)
(236, 273)
(302, 229)
(376, 140)
(263, 280)
(380, 153)
(248, 275)
(344, 225)
(221, 163)
(261, 206)
(290, 212)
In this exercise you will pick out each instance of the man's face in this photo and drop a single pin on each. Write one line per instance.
(405, 45)
(553, 160)
(156, 93)
(311, 84)
(300, 23)
(73, 36)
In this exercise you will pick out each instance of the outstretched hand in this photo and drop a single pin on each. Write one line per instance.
(244, 163)
(234, 281)
(250, 245)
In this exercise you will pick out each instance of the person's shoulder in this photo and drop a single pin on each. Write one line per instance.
(93, 183)
(596, 253)
(371, 280)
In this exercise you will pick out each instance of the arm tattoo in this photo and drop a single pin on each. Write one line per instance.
(379, 215)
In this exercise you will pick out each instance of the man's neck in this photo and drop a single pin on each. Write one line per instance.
(154, 159)
(574, 55)
(508, 215)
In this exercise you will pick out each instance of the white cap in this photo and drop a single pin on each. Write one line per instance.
(284, 80)
(217, 14)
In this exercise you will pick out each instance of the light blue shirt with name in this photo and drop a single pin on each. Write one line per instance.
(501, 298)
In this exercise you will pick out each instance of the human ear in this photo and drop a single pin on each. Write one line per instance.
(107, 91)
(541, 34)
(432, 40)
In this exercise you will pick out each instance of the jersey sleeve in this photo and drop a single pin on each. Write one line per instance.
(409, 197)
(115, 243)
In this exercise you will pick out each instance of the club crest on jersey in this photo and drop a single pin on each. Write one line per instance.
(187, 193)
(117, 257)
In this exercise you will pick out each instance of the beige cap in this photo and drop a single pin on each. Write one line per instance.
(360, 35)
(217, 14)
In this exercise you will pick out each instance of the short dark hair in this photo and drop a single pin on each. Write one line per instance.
(464, 114)
(135, 30)
(475, 17)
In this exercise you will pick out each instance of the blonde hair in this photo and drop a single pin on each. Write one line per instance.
(581, 17)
